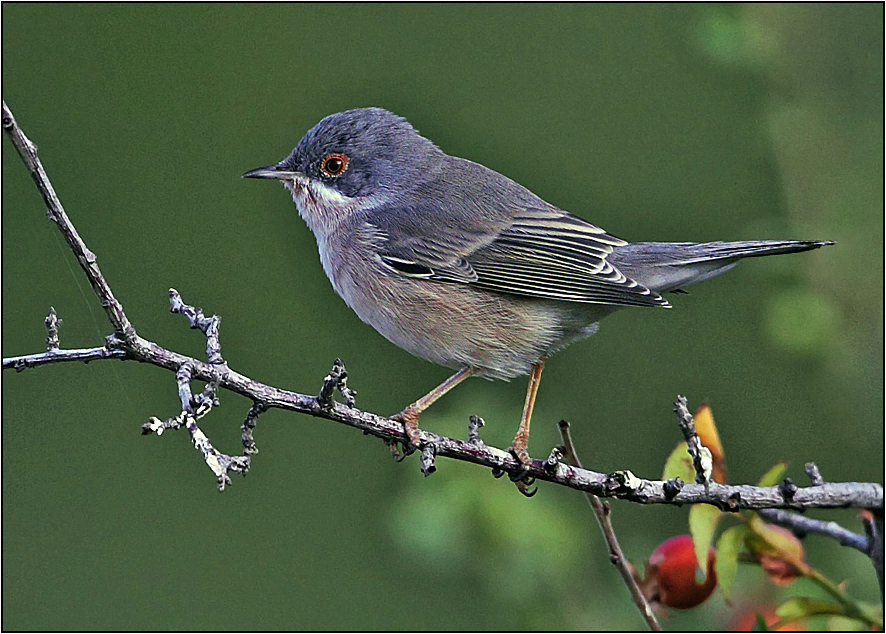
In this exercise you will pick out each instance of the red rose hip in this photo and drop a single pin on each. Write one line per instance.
(672, 574)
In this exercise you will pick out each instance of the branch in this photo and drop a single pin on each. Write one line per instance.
(873, 526)
(602, 512)
(125, 344)
(802, 525)
(55, 212)
(55, 356)
(702, 460)
(622, 484)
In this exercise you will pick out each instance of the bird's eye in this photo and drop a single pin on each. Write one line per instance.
(334, 164)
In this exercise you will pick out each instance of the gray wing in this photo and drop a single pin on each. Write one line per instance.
(494, 234)
(546, 253)
(550, 253)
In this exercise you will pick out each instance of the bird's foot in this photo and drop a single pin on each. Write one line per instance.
(521, 478)
(410, 427)
(399, 455)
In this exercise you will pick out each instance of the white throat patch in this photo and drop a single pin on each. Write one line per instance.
(321, 206)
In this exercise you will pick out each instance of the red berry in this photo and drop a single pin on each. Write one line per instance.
(672, 574)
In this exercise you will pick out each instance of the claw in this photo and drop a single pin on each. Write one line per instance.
(410, 428)
(520, 478)
(523, 482)
(396, 454)
(497, 473)
(520, 475)
(523, 487)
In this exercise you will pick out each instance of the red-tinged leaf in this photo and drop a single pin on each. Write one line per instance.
(707, 433)
(777, 540)
(781, 572)
(726, 564)
(703, 519)
(679, 465)
(778, 550)
(774, 475)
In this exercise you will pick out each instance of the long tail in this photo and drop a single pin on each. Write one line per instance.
(668, 266)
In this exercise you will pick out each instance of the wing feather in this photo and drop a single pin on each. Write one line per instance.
(535, 250)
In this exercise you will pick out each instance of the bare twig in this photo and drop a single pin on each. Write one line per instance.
(801, 525)
(55, 212)
(207, 325)
(55, 356)
(337, 379)
(474, 425)
(616, 556)
(195, 407)
(428, 454)
(701, 455)
(52, 325)
(248, 427)
(873, 526)
(814, 474)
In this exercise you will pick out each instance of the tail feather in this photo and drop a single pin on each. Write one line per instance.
(666, 266)
(748, 249)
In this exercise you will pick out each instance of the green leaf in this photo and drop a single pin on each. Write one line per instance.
(679, 465)
(703, 519)
(797, 608)
(726, 564)
(846, 624)
(774, 475)
(760, 624)
(871, 613)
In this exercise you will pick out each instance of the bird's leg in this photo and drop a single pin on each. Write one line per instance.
(519, 448)
(409, 416)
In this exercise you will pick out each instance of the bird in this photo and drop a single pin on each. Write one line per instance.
(462, 266)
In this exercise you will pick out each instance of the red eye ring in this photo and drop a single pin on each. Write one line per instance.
(334, 165)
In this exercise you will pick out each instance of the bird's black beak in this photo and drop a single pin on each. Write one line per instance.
(277, 171)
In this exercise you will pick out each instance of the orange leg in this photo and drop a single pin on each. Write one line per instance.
(409, 416)
(521, 441)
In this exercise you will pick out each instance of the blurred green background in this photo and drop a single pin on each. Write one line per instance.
(665, 122)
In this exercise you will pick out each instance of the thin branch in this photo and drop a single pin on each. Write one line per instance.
(474, 425)
(53, 323)
(427, 460)
(621, 485)
(702, 459)
(195, 407)
(248, 427)
(55, 356)
(814, 474)
(55, 212)
(873, 526)
(207, 325)
(337, 379)
(53, 352)
(616, 555)
(802, 525)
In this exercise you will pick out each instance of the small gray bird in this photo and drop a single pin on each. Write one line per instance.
(462, 266)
